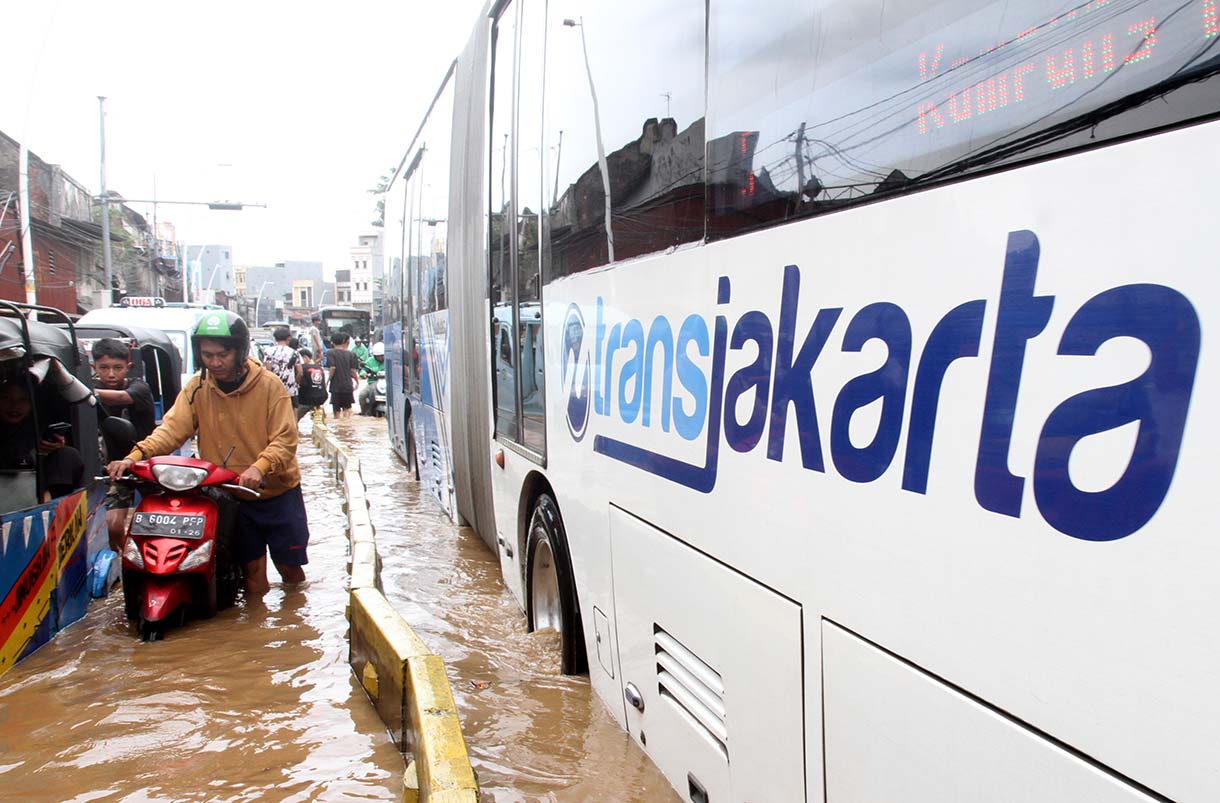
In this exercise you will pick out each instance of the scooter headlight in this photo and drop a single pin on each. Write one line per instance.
(179, 478)
(131, 554)
(197, 558)
(380, 386)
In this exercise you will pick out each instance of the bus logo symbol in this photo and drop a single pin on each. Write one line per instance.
(575, 375)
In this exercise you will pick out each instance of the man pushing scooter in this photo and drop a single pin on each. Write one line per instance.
(244, 419)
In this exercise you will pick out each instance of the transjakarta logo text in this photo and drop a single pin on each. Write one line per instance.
(650, 361)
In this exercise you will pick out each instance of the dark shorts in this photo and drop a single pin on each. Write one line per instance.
(277, 525)
(341, 399)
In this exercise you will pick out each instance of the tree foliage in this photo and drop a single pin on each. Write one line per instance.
(383, 183)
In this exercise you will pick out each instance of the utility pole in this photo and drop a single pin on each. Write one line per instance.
(27, 236)
(109, 296)
(186, 287)
(558, 156)
(800, 165)
(156, 249)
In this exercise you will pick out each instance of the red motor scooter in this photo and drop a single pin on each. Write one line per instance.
(176, 557)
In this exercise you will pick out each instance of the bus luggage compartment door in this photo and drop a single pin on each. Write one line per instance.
(711, 666)
(895, 732)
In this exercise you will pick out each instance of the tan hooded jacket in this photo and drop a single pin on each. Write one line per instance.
(255, 421)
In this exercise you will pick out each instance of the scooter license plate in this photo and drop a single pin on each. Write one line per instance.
(167, 525)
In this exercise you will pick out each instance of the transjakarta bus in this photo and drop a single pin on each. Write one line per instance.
(833, 375)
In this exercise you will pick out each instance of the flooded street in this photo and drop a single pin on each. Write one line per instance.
(532, 734)
(257, 704)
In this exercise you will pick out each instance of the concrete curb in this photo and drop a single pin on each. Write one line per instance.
(405, 681)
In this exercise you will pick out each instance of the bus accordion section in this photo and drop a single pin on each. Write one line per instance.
(836, 381)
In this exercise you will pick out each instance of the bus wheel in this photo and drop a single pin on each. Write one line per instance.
(412, 450)
(551, 593)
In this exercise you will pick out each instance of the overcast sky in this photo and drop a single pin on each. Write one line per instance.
(254, 101)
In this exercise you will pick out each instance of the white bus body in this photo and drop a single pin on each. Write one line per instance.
(876, 491)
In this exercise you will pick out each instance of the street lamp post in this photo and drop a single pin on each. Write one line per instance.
(258, 301)
(109, 296)
(597, 128)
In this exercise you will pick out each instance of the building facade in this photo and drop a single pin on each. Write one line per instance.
(66, 234)
(268, 284)
(211, 270)
(367, 269)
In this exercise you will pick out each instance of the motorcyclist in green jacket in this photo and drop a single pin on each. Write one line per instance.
(372, 368)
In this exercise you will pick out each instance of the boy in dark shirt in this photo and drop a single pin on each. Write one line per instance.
(125, 398)
(343, 376)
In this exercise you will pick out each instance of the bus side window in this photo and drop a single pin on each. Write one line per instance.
(503, 243)
(645, 104)
(899, 96)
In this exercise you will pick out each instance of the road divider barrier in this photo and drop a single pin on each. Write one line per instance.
(405, 680)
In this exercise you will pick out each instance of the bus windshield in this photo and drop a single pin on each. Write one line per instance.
(356, 323)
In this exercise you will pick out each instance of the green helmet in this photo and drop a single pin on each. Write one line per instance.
(227, 327)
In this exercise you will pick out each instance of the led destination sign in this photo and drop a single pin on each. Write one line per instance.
(1089, 54)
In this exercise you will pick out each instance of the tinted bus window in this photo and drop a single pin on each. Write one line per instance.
(430, 216)
(529, 205)
(500, 224)
(817, 105)
(646, 102)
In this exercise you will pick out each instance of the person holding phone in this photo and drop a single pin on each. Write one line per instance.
(23, 448)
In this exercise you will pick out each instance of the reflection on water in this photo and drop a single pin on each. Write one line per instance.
(257, 704)
(532, 733)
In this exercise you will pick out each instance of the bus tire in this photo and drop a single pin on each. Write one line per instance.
(550, 588)
(412, 448)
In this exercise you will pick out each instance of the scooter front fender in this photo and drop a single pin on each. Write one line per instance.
(163, 596)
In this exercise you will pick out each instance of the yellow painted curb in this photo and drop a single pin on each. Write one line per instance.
(404, 680)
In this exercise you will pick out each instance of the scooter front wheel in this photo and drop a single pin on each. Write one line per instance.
(151, 631)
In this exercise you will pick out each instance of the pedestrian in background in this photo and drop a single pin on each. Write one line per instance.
(283, 361)
(315, 337)
(342, 366)
(313, 384)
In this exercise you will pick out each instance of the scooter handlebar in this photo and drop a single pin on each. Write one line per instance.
(226, 485)
(234, 487)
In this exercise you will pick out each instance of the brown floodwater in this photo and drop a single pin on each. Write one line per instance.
(257, 704)
(532, 734)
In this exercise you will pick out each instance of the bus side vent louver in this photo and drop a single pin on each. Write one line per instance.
(438, 460)
(694, 689)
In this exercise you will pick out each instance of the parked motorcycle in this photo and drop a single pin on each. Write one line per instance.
(177, 561)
